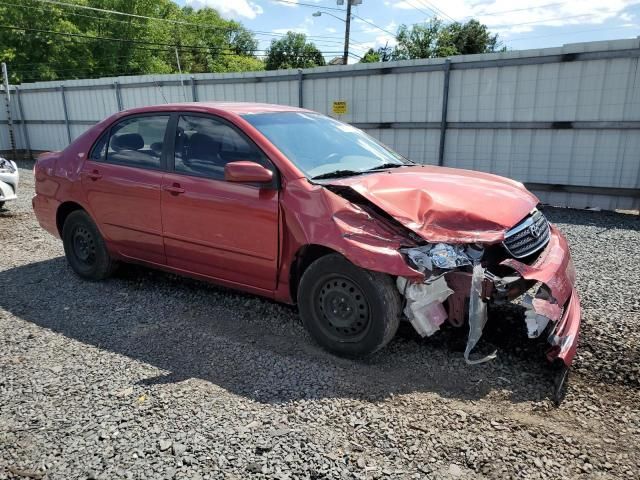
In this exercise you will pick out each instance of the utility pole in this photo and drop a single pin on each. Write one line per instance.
(7, 97)
(346, 33)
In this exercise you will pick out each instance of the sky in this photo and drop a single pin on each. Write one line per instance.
(521, 24)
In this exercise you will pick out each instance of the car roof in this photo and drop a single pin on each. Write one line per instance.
(238, 108)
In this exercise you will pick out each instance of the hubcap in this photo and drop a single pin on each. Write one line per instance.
(84, 246)
(342, 308)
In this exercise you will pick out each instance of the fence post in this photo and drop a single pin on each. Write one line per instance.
(66, 113)
(300, 99)
(445, 106)
(116, 85)
(7, 96)
(25, 128)
(194, 89)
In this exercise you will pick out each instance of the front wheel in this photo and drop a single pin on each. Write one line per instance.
(84, 247)
(348, 310)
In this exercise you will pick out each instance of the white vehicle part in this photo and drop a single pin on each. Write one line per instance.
(424, 304)
(477, 316)
(6, 192)
(9, 177)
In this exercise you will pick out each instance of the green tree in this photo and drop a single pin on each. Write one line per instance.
(419, 41)
(435, 39)
(109, 44)
(468, 38)
(381, 54)
(293, 51)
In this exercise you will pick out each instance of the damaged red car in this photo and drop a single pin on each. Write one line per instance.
(299, 207)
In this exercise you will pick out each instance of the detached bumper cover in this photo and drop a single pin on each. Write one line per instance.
(554, 269)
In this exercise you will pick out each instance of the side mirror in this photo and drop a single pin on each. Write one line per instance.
(247, 172)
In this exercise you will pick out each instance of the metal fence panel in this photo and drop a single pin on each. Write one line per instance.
(565, 118)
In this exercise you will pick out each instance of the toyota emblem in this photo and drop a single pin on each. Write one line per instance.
(534, 230)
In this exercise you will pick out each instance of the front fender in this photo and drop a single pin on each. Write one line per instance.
(316, 216)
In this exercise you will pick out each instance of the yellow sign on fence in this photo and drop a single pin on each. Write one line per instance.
(339, 107)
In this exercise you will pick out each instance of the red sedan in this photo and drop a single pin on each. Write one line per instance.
(299, 207)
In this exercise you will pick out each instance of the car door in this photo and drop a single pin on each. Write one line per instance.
(122, 180)
(212, 227)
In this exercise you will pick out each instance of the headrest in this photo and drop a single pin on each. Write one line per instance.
(203, 145)
(127, 141)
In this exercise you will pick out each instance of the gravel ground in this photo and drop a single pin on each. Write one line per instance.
(149, 375)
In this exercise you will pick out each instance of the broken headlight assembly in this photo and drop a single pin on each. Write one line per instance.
(442, 256)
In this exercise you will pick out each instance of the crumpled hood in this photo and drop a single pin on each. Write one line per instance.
(446, 204)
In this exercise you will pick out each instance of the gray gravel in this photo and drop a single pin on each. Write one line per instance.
(149, 375)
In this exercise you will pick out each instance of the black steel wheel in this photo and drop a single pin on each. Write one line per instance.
(343, 307)
(84, 247)
(348, 310)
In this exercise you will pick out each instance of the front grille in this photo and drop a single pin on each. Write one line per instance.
(529, 236)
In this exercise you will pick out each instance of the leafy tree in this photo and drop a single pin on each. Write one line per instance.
(468, 38)
(419, 41)
(435, 39)
(381, 54)
(147, 46)
(293, 51)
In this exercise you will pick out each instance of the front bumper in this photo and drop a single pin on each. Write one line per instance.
(555, 307)
(554, 269)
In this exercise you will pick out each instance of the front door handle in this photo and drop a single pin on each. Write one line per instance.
(95, 175)
(174, 189)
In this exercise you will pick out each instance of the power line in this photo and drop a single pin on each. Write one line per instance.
(92, 37)
(545, 20)
(115, 39)
(481, 14)
(433, 10)
(437, 10)
(373, 24)
(177, 22)
(333, 8)
(310, 5)
(566, 33)
(414, 6)
(116, 12)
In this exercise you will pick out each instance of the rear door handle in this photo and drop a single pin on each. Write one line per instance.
(95, 175)
(174, 189)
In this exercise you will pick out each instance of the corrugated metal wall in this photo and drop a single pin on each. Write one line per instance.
(564, 119)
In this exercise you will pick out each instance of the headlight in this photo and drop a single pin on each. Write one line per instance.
(442, 256)
(7, 166)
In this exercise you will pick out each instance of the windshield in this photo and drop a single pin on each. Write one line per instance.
(322, 147)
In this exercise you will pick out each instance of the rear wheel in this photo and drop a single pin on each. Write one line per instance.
(84, 247)
(348, 310)
(1, 205)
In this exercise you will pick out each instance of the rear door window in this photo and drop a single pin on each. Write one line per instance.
(138, 142)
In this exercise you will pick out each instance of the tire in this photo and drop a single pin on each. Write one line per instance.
(349, 311)
(84, 247)
(1, 205)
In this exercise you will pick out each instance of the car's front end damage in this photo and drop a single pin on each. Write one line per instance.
(9, 177)
(460, 281)
(472, 240)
